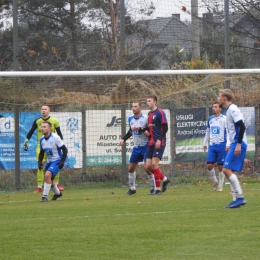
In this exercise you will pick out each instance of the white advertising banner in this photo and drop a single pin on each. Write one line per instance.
(103, 136)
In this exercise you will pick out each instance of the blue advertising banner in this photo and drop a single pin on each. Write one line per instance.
(70, 124)
(7, 154)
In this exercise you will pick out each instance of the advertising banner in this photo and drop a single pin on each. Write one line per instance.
(190, 126)
(70, 124)
(104, 134)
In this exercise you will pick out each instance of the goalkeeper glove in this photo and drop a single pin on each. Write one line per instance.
(61, 164)
(25, 145)
(40, 165)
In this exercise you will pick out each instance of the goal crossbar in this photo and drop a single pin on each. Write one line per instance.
(125, 72)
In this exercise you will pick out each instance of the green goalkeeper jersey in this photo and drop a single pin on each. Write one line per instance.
(55, 127)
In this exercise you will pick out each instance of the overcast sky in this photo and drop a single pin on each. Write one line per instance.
(165, 8)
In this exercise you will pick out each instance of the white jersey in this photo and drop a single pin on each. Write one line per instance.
(233, 116)
(52, 147)
(140, 139)
(216, 132)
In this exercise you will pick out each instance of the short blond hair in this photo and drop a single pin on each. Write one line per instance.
(227, 93)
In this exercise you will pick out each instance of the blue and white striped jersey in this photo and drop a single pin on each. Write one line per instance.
(140, 139)
(233, 116)
(216, 132)
(52, 147)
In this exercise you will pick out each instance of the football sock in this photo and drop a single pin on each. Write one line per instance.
(152, 181)
(46, 189)
(55, 189)
(221, 178)
(157, 175)
(236, 185)
(234, 197)
(212, 175)
(131, 178)
(161, 174)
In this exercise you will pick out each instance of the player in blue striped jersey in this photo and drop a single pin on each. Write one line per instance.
(234, 160)
(138, 128)
(56, 152)
(216, 137)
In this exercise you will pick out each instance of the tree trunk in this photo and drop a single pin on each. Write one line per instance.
(114, 16)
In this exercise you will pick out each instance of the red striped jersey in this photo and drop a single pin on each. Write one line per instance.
(155, 121)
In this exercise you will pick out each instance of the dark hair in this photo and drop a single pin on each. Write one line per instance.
(153, 97)
(217, 103)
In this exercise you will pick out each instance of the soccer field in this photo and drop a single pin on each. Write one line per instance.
(186, 222)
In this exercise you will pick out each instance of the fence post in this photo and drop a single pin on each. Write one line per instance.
(84, 143)
(172, 139)
(257, 136)
(123, 147)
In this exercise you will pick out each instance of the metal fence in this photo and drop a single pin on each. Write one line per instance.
(91, 111)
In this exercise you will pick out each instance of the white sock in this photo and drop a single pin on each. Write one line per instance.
(234, 197)
(46, 189)
(55, 189)
(212, 175)
(221, 178)
(152, 181)
(131, 178)
(234, 183)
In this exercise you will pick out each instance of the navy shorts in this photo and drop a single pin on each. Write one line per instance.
(216, 154)
(138, 154)
(235, 162)
(153, 152)
(53, 167)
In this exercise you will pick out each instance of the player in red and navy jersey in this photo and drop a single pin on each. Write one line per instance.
(158, 128)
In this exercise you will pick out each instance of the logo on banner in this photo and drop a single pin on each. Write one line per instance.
(72, 124)
(115, 122)
(6, 124)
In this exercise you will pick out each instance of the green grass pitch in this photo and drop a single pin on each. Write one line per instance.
(186, 222)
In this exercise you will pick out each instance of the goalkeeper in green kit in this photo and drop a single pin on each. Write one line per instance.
(55, 127)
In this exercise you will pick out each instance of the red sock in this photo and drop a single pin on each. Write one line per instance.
(157, 176)
(161, 174)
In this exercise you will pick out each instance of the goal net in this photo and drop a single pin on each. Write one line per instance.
(92, 109)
